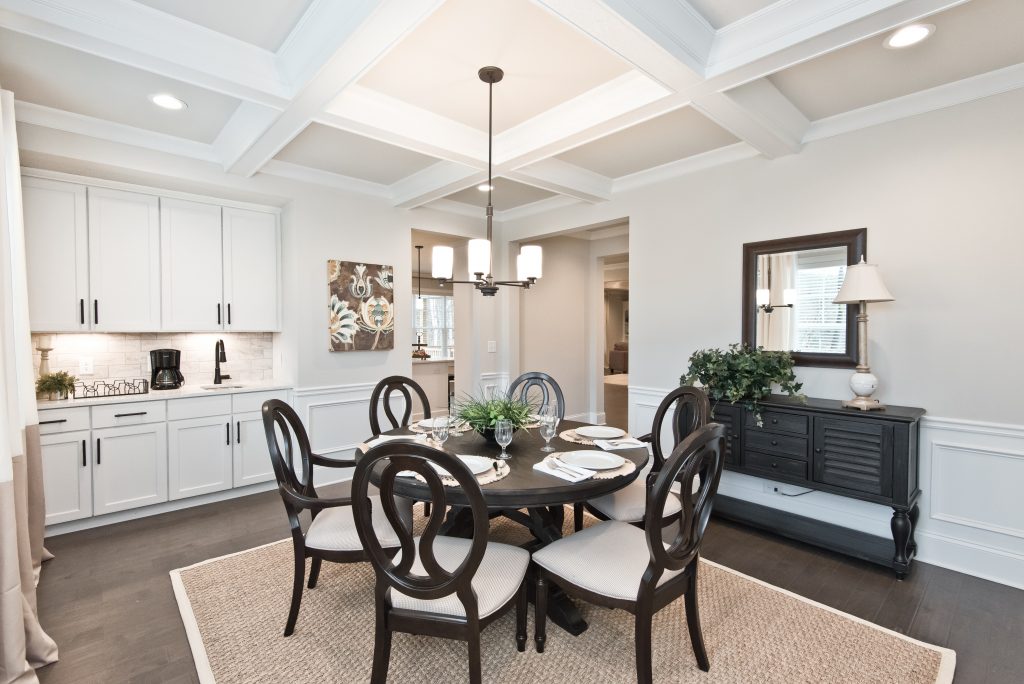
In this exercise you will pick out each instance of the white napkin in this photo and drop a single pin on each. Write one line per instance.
(621, 443)
(564, 470)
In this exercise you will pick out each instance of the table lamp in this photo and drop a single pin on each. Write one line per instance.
(863, 284)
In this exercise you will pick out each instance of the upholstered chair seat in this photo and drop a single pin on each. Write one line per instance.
(629, 504)
(334, 529)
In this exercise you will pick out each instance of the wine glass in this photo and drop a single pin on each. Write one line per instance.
(551, 410)
(548, 426)
(439, 430)
(503, 436)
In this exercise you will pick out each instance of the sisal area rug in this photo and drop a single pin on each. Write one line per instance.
(234, 609)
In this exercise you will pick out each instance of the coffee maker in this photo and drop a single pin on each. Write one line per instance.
(166, 364)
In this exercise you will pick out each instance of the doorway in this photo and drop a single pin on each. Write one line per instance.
(615, 383)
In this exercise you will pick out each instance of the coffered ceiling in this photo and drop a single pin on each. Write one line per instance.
(382, 97)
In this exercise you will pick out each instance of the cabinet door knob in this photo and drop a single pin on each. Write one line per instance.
(775, 443)
(774, 464)
(775, 421)
(817, 451)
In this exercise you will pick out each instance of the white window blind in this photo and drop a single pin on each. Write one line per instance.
(820, 325)
(434, 324)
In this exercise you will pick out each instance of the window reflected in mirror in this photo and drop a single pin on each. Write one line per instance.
(794, 301)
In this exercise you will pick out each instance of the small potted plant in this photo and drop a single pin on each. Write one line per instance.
(482, 414)
(742, 374)
(59, 385)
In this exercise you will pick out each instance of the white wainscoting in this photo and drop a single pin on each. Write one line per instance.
(494, 382)
(972, 512)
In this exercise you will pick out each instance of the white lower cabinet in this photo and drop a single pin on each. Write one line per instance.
(130, 467)
(67, 476)
(199, 456)
(252, 456)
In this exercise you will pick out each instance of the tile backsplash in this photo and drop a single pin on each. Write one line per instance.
(250, 355)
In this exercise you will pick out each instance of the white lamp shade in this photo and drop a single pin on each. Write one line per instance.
(763, 296)
(789, 296)
(442, 260)
(479, 257)
(531, 258)
(863, 283)
(521, 268)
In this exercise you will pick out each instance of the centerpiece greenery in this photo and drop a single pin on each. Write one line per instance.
(742, 374)
(483, 414)
(59, 385)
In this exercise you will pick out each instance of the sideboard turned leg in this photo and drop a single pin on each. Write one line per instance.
(914, 513)
(902, 530)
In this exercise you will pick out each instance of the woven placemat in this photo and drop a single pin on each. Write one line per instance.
(571, 436)
(490, 476)
(451, 430)
(625, 469)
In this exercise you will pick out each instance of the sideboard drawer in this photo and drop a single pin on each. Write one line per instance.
(773, 421)
(775, 443)
(776, 467)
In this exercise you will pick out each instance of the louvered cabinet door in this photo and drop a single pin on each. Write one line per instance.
(732, 418)
(854, 454)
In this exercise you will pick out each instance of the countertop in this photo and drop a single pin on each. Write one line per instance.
(160, 395)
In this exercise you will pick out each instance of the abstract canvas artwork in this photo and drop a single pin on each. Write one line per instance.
(361, 306)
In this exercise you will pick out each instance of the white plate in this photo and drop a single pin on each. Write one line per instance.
(476, 464)
(599, 432)
(592, 460)
(428, 423)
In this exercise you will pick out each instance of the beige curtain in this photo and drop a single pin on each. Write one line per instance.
(24, 646)
(776, 273)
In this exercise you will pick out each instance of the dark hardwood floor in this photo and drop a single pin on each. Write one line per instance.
(106, 597)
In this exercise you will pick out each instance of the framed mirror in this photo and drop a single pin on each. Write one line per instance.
(788, 288)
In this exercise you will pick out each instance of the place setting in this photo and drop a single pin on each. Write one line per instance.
(577, 466)
(604, 436)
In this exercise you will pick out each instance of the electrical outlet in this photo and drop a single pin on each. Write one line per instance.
(492, 346)
(85, 365)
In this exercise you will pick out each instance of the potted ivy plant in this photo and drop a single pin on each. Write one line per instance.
(742, 374)
(59, 385)
(483, 414)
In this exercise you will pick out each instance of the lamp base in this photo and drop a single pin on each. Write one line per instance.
(864, 404)
(863, 383)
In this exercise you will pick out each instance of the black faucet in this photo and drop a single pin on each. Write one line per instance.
(219, 357)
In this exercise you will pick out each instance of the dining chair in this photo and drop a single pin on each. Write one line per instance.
(331, 533)
(690, 410)
(545, 384)
(617, 565)
(437, 586)
(382, 393)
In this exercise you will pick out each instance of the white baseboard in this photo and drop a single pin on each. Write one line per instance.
(972, 515)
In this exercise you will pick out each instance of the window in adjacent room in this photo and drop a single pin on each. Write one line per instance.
(434, 324)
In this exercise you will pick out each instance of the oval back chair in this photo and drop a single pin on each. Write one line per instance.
(544, 384)
(382, 393)
(412, 590)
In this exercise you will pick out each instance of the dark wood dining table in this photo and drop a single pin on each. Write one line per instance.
(533, 499)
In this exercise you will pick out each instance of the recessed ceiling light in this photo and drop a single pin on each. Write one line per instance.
(908, 35)
(484, 187)
(167, 101)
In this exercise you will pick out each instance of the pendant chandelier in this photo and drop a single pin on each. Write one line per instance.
(530, 260)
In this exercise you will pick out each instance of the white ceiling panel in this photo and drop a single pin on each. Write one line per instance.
(330, 149)
(546, 62)
(55, 76)
(970, 39)
(265, 23)
(667, 138)
(507, 194)
(721, 13)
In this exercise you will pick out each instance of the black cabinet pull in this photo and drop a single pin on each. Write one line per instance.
(81, 311)
(238, 432)
(98, 461)
(229, 313)
(227, 431)
(51, 422)
(84, 464)
(96, 311)
(218, 313)
(125, 415)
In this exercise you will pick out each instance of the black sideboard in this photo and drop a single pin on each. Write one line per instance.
(871, 456)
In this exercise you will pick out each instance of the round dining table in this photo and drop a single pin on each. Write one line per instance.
(532, 498)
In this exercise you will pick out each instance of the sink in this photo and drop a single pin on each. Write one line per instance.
(225, 386)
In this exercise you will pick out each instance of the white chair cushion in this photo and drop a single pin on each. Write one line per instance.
(496, 581)
(608, 558)
(629, 504)
(334, 529)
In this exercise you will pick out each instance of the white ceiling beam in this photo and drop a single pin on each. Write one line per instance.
(564, 178)
(681, 167)
(305, 174)
(758, 114)
(435, 182)
(140, 36)
(370, 29)
(372, 114)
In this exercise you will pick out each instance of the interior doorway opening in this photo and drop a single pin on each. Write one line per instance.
(615, 384)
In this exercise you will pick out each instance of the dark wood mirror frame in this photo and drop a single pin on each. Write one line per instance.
(855, 242)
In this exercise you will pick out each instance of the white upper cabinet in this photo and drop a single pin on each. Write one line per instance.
(57, 253)
(191, 261)
(124, 261)
(251, 271)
